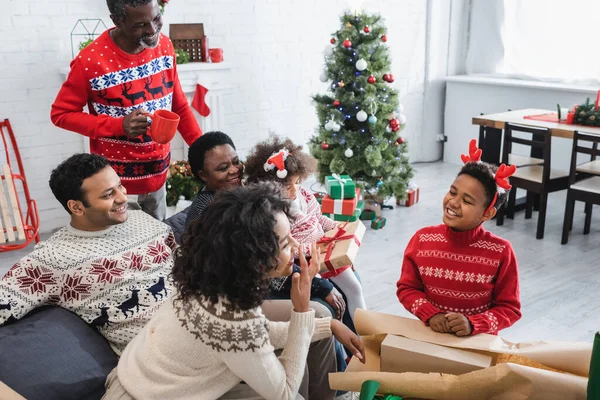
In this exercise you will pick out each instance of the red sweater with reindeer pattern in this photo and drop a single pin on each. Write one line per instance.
(112, 84)
(473, 273)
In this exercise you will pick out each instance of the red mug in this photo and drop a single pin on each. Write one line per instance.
(163, 126)
(216, 55)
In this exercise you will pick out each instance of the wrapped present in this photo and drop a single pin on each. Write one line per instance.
(412, 196)
(368, 391)
(341, 206)
(378, 223)
(342, 245)
(531, 370)
(372, 205)
(348, 218)
(368, 215)
(340, 187)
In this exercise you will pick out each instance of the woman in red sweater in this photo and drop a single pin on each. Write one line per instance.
(457, 277)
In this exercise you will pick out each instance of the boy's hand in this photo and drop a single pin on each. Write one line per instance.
(439, 323)
(348, 339)
(336, 301)
(459, 324)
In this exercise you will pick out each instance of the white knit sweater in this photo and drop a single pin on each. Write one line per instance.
(200, 350)
(114, 279)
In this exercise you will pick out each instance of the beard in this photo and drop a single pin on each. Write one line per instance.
(148, 43)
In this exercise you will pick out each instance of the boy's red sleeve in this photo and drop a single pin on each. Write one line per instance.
(410, 289)
(506, 304)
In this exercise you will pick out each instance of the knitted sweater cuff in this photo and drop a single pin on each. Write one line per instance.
(322, 329)
(424, 310)
(303, 320)
(480, 324)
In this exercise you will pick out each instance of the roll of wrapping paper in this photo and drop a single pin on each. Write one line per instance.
(593, 390)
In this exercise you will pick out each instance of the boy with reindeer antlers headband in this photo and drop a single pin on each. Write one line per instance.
(457, 277)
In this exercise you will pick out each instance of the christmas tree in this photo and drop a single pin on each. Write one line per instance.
(360, 118)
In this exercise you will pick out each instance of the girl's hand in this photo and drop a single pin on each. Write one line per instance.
(301, 282)
(348, 339)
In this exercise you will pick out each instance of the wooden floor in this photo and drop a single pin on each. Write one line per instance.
(560, 285)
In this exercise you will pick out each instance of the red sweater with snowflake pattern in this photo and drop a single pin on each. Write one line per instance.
(473, 273)
(113, 84)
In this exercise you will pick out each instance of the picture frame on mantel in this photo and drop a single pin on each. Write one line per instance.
(191, 39)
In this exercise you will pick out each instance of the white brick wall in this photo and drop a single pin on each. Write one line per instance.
(275, 46)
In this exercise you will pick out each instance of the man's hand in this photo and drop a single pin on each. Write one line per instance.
(135, 124)
(348, 339)
(459, 324)
(439, 323)
(336, 301)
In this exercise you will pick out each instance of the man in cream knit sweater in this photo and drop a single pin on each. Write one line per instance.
(109, 266)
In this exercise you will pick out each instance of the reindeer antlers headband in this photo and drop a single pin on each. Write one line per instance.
(501, 176)
(277, 159)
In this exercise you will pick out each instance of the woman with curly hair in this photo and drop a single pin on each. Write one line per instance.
(308, 224)
(211, 340)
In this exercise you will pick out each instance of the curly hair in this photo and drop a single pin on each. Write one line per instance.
(203, 145)
(117, 7)
(297, 163)
(230, 250)
(66, 179)
(485, 173)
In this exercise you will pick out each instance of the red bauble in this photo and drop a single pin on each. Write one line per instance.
(347, 43)
(336, 103)
(394, 123)
(367, 29)
(371, 79)
(383, 38)
(395, 128)
(390, 78)
(324, 146)
(332, 41)
(386, 77)
(400, 140)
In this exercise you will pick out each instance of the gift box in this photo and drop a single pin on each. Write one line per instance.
(348, 218)
(400, 354)
(412, 196)
(340, 187)
(372, 205)
(378, 223)
(368, 215)
(340, 207)
(343, 244)
(530, 370)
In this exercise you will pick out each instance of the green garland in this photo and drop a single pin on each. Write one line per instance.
(181, 182)
(586, 114)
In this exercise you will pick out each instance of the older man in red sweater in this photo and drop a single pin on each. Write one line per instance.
(126, 73)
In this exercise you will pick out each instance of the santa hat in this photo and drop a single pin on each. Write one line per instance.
(277, 159)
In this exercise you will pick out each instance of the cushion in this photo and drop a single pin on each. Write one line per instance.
(177, 224)
(52, 354)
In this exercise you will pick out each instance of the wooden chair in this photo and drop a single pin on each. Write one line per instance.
(535, 179)
(584, 181)
(18, 229)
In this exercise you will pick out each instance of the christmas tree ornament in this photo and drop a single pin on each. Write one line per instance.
(361, 64)
(394, 122)
(371, 79)
(336, 103)
(373, 173)
(348, 153)
(277, 160)
(324, 146)
(341, 84)
(399, 141)
(348, 25)
(361, 116)
(329, 126)
(366, 29)
(385, 77)
(390, 78)
(332, 40)
(379, 183)
(388, 129)
(383, 38)
(328, 51)
(372, 119)
(347, 43)
(395, 128)
(323, 77)
(336, 127)
(402, 119)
